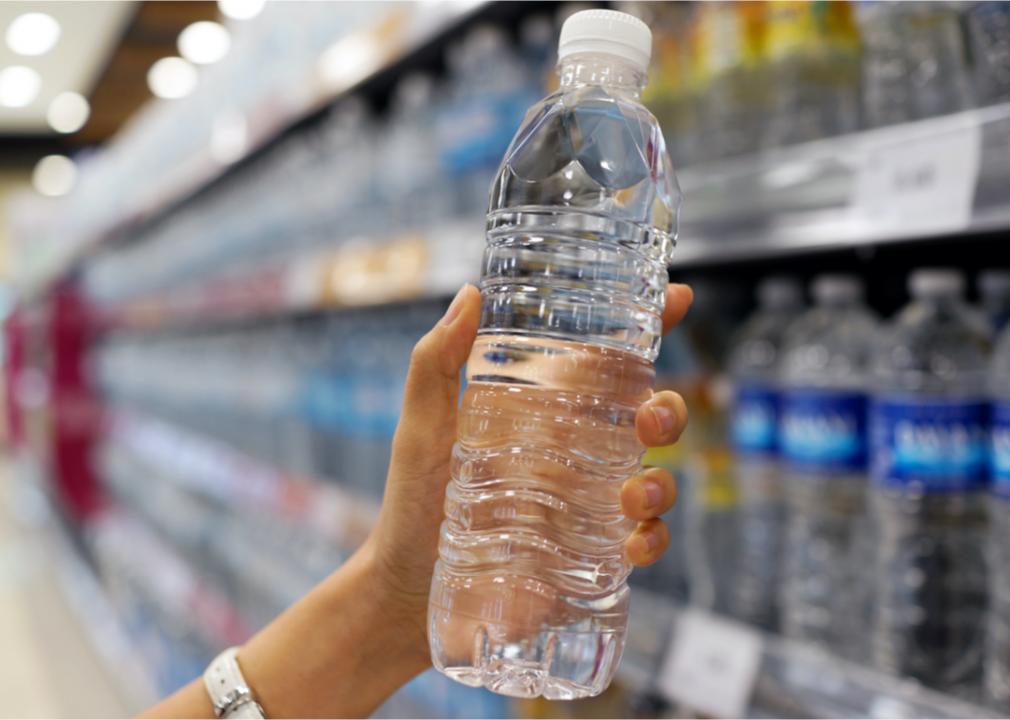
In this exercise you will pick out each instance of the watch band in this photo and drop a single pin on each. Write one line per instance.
(228, 690)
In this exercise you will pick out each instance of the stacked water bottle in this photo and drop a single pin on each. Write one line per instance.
(886, 449)
(350, 178)
(316, 396)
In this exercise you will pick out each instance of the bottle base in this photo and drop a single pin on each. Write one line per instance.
(517, 637)
(520, 679)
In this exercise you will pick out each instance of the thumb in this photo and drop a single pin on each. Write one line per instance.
(427, 426)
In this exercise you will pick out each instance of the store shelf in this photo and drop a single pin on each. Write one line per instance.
(792, 680)
(213, 469)
(939, 177)
(348, 64)
(430, 265)
(86, 597)
(943, 176)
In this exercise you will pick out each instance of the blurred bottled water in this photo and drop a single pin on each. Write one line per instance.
(409, 158)
(989, 37)
(732, 43)
(994, 293)
(488, 93)
(915, 61)
(813, 51)
(675, 92)
(822, 440)
(529, 596)
(929, 464)
(998, 658)
(754, 368)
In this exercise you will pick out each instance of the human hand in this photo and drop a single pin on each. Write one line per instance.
(403, 547)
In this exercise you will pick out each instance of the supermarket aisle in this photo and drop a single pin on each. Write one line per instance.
(48, 668)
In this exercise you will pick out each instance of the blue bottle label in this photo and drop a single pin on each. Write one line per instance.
(1001, 448)
(754, 425)
(933, 446)
(823, 430)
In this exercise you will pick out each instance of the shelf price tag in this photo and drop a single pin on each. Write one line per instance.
(911, 184)
(712, 665)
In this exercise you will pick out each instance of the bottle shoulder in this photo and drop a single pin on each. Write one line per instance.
(934, 349)
(757, 345)
(590, 150)
(828, 347)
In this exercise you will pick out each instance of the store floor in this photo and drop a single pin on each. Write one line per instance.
(48, 665)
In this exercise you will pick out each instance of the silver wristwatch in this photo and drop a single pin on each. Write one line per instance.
(228, 690)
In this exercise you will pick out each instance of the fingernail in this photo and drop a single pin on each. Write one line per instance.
(653, 493)
(664, 418)
(651, 541)
(454, 307)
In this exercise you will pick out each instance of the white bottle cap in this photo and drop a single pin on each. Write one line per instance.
(936, 283)
(607, 31)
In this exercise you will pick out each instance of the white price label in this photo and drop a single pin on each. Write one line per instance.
(911, 184)
(712, 665)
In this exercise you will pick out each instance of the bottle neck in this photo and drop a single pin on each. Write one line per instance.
(610, 71)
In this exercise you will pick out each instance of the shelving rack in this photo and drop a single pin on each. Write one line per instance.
(786, 203)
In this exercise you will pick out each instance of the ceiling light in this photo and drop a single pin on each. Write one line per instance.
(204, 42)
(171, 78)
(19, 86)
(240, 9)
(33, 33)
(54, 175)
(68, 112)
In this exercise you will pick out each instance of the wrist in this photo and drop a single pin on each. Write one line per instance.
(399, 609)
(319, 658)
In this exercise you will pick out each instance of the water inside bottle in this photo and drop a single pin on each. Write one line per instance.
(530, 595)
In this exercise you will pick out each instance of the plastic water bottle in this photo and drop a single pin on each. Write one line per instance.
(915, 62)
(994, 292)
(530, 594)
(754, 366)
(822, 439)
(989, 41)
(998, 657)
(929, 465)
(813, 53)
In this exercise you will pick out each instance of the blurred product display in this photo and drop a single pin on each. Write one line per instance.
(757, 399)
(929, 463)
(205, 363)
(824, 371)
(998, 633)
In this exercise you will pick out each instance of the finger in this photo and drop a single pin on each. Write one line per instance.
(649, 494)
(678, 302)
(661, 419)
(647, 543)
(426, 430)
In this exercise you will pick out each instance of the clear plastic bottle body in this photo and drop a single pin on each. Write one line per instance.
(529, 596)
(997, 662)
(927, 500)
(754, 368)
(822, 430)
